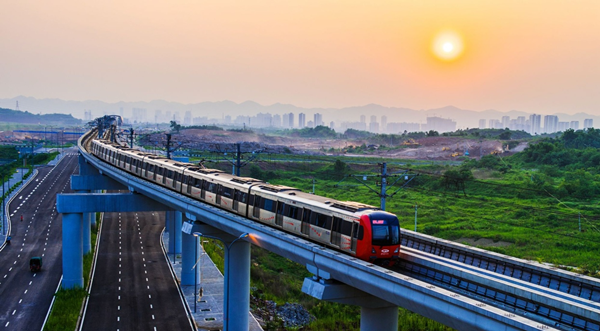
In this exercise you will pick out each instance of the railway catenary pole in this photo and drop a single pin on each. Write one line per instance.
(383, 194)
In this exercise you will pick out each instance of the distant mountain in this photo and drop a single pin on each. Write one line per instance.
(15, 116)
(219, 109)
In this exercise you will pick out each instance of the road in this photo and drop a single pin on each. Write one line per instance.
(132, 286)
(26, 296)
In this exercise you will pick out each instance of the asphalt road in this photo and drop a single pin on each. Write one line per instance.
(132, 286)
(26, 296)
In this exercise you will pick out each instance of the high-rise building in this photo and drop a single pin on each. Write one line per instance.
(482, 124)
(287, 120)
(439, 124)
(563, 126)
(535, 123)
(187, 118)
(574, 125)
(505, 121)
(550, 123)
(301, 120)
(383, 128)
(363, 119)
(318, 119)
(588, 123)
(87, 115)
(138, 115)
(158, 116)
(276, 121)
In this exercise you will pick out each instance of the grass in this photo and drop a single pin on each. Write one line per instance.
(68, 303)
(505, 206)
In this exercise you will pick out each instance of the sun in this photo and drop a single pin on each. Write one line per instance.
(447, 45)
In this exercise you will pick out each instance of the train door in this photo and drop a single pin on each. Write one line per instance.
(306, 221)
(279, 213)
(236, 197)
(336, 231)
(256, 207)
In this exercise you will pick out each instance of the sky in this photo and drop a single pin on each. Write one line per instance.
(539, 56)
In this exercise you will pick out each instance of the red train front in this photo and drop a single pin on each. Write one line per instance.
(380, 242)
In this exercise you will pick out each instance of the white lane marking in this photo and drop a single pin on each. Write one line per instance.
(14, 311)
(30, 282)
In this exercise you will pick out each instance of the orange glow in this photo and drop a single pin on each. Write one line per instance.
(447, 45)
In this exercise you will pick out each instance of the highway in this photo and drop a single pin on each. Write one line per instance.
(132, 286)
(26, 296)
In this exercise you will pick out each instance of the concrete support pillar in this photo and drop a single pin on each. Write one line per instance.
(170, 225)
(72, 233)
(189, 255)
(178, 222)
(375, 313)
(384, 318)
(93, 220)
(237, 286)
(87, 233)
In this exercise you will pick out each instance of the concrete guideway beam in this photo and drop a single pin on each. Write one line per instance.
(375, 314)
(449, 308)
(106, 202)
(94, 182)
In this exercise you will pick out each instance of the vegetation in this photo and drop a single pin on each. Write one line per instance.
(537, 205)
(16, 116)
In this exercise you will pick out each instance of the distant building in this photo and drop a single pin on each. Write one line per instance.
(439, 124)
(373, 125)
(301, 120)
(87, 115)
(187, 118)
(288, 120)
(588, 123)
(310, 124)
(482, 124)
(505, 121)
(276, 121)
(138, 115)
(574, 125)
(332, 125)
(550, 123)
(399, 128)
(383, 128)
(535, 123)
(363, 119)
(563, 126)
(318, 119)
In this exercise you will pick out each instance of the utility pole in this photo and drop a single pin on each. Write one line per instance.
(168, 146)
(237, 161)
(383, 195)
(416, 217)
(131, 137)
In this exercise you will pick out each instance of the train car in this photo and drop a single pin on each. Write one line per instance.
(357, 229)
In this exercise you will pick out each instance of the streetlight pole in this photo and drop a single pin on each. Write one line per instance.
(227, 248)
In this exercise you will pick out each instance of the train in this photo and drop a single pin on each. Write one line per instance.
(360, 230)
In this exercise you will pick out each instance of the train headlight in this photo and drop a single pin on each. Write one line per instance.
(397, 250)
(373, 250)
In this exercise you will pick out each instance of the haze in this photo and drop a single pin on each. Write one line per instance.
(536, 56)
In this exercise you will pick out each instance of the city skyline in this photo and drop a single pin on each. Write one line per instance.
(535, 56)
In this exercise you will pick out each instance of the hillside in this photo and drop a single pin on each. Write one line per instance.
(24, 117)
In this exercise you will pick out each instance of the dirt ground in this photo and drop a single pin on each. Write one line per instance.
(428, 148)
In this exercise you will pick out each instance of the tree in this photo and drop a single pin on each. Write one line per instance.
(175, 127)
(505, 135)
(457, 178)
(432, 133)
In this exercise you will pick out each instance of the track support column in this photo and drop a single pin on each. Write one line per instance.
(237, 286)
(178, 222)
(375, 314)
(72, 233)
(189, 254)
(170, 225)
(87, 232)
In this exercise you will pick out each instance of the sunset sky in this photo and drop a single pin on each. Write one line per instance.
(535, 55)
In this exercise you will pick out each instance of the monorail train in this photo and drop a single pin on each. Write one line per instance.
(357, 229)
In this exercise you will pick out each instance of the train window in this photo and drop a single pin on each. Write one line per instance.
(281, 208)
(170, 174)
(198, 183)
(150, 167)
(358, 232)
(320, 220)
(210, 187)
(227, 192)
(267, 204)
(346, 228)
(184, 179)
(241, 196)
(251, 199)
(294, 212)
(306, 215)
